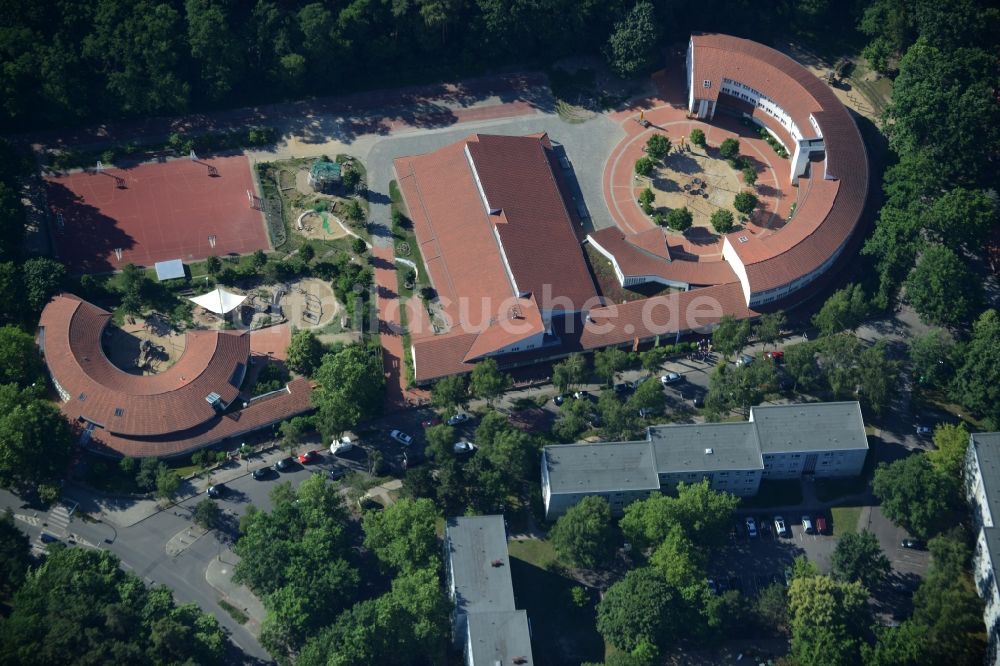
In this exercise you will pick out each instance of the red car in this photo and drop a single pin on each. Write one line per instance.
(821, 524)
(432, 421)
(308, 457)
(776, 356)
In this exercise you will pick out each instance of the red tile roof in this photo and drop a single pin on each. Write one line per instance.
(170, 407)
(636, 261)
(827, 217)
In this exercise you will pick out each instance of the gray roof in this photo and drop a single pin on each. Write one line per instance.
(820, 426)
(594, 468)
(987, 449)
(499, 638)
(474, 544)
(169, 270)
(705, 447)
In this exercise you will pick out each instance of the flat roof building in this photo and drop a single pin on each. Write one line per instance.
(486, 625)
(778, 442)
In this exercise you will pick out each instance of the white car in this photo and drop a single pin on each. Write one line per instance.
(670, 378)
(463, 447)
(401, 437)
(342, 445)
(744, 360)
(461, 417)
(751, 527)
(780, 528)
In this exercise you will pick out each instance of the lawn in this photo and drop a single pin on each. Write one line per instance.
(561, 632)
(533, 551)
(845, 519)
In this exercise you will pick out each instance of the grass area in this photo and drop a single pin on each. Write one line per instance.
(776, 493)
(845, 519)
(562, 633)
(234, 612)
(538, 552)
(187, 470)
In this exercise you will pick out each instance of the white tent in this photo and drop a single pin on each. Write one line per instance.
(218, 301)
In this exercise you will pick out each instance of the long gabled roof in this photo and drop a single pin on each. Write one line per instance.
(136, 405)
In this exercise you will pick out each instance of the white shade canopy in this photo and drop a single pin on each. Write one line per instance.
(218, 301)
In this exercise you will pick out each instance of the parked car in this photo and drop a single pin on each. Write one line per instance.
(914, 544)
(775, 356)
(308, 457)
(217, 491)
(765, 525)
(342, 445)
(788, 576)
(461, 417)
(821, 524)
(463, 447)
(559, 399)
(432, 421)
(282, 465)
(645, 411)
(780, 528)
(697, 402)
(751, 527)
(807, 525)
(262, 473)
(401, 437)
(924, 431)
(337, 473)
(622, 388)
(582, 395)
(670, 378)
(631, 385)
(48, 538)
(744, 359)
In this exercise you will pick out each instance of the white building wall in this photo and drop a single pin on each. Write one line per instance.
(559, 503)
(744, 483)
(734, 261)
(841, 463)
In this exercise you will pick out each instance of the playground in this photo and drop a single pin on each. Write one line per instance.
(320, 225)
(186, 208)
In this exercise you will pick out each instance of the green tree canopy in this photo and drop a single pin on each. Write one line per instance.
(28, 426)
(722, 220)
(450, 392)
(487, 381)
(609, 362)
(403, 537)
(828, 619)
(644, 166)
(731, 335)
(22, 364)
(679, 219)
(745, 202)
(633, 45)
(948, 457)
(697, 137)
(729, 148)
(642, 607)
(858, 557)
(977, 382)
(658, 146)
(915, 495)
(351, 383)
(15, 555)
(569, 373)
(933, 357)
(584, 536)
(43, 279)
(305, 352)
(207, 514)
(703, 514)
(845, 309)
(941, 289)
(768, 328)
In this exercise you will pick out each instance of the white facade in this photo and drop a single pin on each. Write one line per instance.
(632, 280)
(740, 482)
(984, 453)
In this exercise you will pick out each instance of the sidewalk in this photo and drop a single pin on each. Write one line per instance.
(219, 575)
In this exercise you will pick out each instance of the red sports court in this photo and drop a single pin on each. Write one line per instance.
(186, 209)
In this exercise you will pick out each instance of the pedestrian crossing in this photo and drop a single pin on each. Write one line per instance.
(55, 527)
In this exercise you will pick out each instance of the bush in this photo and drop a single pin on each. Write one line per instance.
(644, 166)
(660, 219)
(729, 149)
(646, 197)
(646, 208)
(749, 176)
(698, 137)
(358, 246)
(351, 178)
(679, 219)
(745, 202)
(722, 221)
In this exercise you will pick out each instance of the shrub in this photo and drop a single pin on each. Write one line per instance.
(749, 176)
(679, 219)
(729, 149)
(359, 246)
(644, 166)
(647, 208)
(660, 219)
(745, 202)
(646, 196)
(722, 221)
(697, 137)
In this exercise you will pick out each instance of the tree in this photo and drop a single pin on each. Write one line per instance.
(28, 426)
(828, 620)
(450, 393)
(402, 537)
(293, 432)
(207, 514)
(904, 645)
(648, 395)
(722, 221)
(941, 289)
(977, 382)
(644, 166)
(877, 377)
(768, 329)
(632, 47)
(729, 149)
(731, 335)
(845, 309)
(15, 555)
(749, 176)
(43, 279)
(640, 608)
(258, 260)
(305, 352)
(80, 605)
(167, 482)
(948, 458)
(21, 362)
(487, 381)
(351, 382)
(658, 146)
(353, 211)
(679, 219)
(584, 536)
(771, 607)
(858, 557)
(739, 388)
(698, 137)
(704, 515)
(800, 365)
(913, 494)
(440, 443)
(933, 355)
(609, 362)
(307, 252)
(569, 373)
(358, 246)
(682, 564)
(745, 202)
(961, 218)
(617, 421)
(213, 265)
(646, 199)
